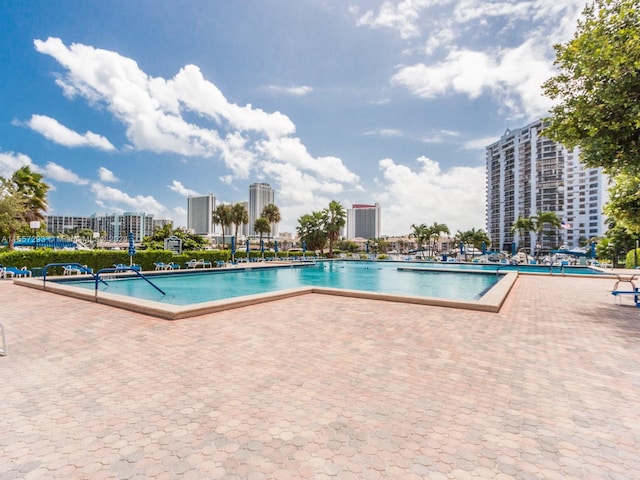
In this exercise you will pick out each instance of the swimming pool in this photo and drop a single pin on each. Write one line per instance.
(189, 293)
(379, 277)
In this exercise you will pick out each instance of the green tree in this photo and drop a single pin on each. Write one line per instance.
(434, 232)
(272, 213)
(347, 246)
(522, 226)
(334, 218)
(239, 216)
(544, 223)
(421, 233)
(261, 226)
(598, 87)
(478, 237)
(12, 212)
(624, 202)
(310, 229)
(29, 191)
(190, 241)
(222, 216)
(465, 238)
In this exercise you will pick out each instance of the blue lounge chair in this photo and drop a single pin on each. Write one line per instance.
(16, 272)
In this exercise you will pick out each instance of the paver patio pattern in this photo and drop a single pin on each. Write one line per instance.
(324, 387)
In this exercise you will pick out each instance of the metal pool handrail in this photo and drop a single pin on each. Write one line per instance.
(67, 264)
(119, 269)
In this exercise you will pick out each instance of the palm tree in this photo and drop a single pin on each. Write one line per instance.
(421, 233)
(272, 213)
(222, 216)
(262, 225)
(239, 216)
(522, 226)
(464, 238)
(334, 219)
(539, 222)
(435, 231)
(478, 237)
(30, 192)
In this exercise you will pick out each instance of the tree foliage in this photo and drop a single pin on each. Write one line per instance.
(334, 218)
(190, 241)
(239, 216)
(598, 87)
(272, 213)
(262, 226)
(310, 229)
(424, 233)
(29, 199)
(624, 202)
(222, 216)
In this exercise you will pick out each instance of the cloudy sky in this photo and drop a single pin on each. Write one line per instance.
(132, 106)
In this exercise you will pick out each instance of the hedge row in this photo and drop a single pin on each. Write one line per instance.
(98, 259)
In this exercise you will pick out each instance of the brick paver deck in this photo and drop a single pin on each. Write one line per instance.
(324, 387)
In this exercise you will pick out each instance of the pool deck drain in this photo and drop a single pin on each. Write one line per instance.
(318, 386)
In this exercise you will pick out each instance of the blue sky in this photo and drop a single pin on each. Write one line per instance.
(132, 106)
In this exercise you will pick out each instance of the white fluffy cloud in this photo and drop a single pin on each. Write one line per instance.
(11, 161)
(115, 200)
(153, 109)
(455, 197)
(58, 133)
(296, 91)
(177, 187)
(57, 172)
(509, 68)
(401, 16)
(514, 76)
(106, 175)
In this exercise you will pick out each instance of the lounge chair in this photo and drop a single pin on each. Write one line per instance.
(15, 272)
(4, 273)
(173, 266)
(161, 266)
(121, 267)
(197, 263)
(78, 270)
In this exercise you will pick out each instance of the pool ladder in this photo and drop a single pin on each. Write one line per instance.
(96, 276)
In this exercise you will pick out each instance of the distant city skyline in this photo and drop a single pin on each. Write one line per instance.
(378, 102)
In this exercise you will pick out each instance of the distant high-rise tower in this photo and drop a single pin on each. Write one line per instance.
(528, 173)
(260, 195)
(199, 213)
(363, 221)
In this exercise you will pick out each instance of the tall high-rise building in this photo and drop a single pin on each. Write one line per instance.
(528, 173)
(200, 209)
(260, 195)
(363, 221)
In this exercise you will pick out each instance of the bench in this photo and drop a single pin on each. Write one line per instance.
(621, 293)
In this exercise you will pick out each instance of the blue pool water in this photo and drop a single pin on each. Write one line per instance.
(379, 277)
(492, 267)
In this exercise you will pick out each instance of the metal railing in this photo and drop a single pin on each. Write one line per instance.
(81, 268)
(96, 276)
(122, 268)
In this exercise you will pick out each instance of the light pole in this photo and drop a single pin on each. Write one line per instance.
(35, 225)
